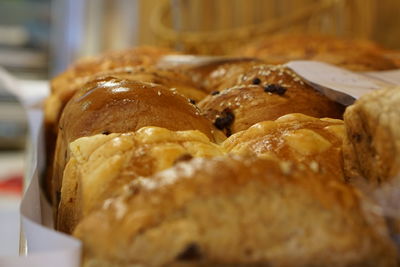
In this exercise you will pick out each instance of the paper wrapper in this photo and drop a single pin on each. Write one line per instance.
(46, 247)
(342, 85)
(41, 245)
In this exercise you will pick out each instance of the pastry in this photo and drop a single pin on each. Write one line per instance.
(170, 78)
(67, 83)
(248, 93)
(64, 85)
(372, 144)
(234, 211)
(310, 142)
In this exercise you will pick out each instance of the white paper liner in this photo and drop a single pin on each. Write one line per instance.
(342, 85)
(48, 248)
(44, 246)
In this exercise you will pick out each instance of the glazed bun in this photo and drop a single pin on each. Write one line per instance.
(253, 92)
(64, 86)
(67, 83)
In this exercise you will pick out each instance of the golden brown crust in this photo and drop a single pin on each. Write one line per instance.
(67, 83)
(101, 164)
(201, 73)
(228, 75)
(170, 78)
(236, 211)
(123, 104)
(372, 148)
(258, 92)
(174, 79)
(108, 105)
(310, 142)
(138, 56)
(356, 55)
(64, 86)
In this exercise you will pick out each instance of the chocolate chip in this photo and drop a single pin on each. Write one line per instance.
(191, 252)
(256, 80)
(214, 92)
(183, 157)
(275, 89)
(192, 101)
(224, 121)
(105, 132)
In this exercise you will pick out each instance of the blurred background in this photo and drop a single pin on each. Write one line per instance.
(40, 38)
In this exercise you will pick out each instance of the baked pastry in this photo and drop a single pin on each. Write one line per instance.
(138, 56)
(372, 145)
(248, 93)
(108, 105)
(230, 74)
(174, 79)
(356, 55)
(170, 78)
(307, 141)
(101, 164)
(67, 83)
(202, 67)
(234, 211)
